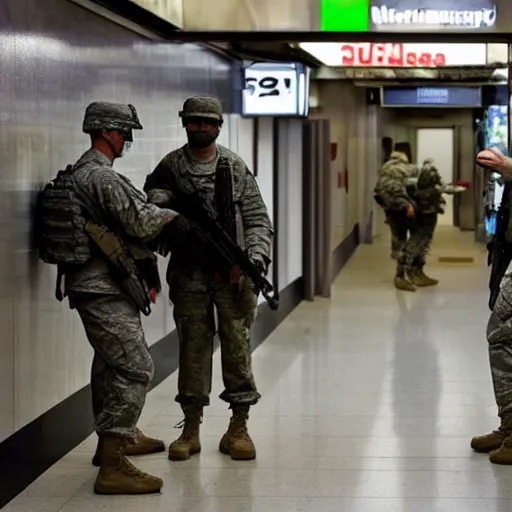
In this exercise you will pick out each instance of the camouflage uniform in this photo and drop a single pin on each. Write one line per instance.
(122, 367)
(429, 203)
(499, 337)
(195, 292)
(393, 193)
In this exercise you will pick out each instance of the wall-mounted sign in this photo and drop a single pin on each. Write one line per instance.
(454, 97)
(397, 55)
(407, 15)
(276, 89)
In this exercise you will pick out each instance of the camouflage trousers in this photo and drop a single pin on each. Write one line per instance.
(122, 368)
(411, 239)
(499, 337)
(420, 240)
(195, 323)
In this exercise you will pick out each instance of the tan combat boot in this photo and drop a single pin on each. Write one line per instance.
(236, 442)
(488, 442)
(419, 278)
(117, 475)
(142, 445)
(503, 453)
(402, 283)
(188, 443)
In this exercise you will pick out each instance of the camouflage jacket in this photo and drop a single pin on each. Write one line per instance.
(253, 226)
(123, 208)
(396, 183)
(430, 189)
(499, 327)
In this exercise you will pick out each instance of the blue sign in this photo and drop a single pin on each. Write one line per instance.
(432, 97)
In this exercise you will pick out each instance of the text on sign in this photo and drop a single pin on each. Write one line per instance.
(388, 55)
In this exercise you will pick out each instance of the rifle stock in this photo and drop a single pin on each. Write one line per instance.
(122, 265)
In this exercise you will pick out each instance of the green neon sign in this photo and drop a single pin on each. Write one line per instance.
(345, 16)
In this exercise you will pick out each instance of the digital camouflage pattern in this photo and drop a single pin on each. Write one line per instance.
(202, 107)
(499, 336)
(194, 291)
(102, 115)
(396, 180)
(420, 240)
(430, 189)
(193, 314)
(121, 205)
(122, 368)
(430, 202)
(393, 193)
(253, 227)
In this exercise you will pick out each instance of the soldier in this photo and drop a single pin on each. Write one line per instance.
(222, 178)
(429, 204)
(498, 444)
(392, 193)
(499, 336)
(122, 367)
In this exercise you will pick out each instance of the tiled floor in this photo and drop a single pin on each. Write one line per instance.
(369, 402)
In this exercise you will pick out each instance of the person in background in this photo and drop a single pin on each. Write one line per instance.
(223, 180)
(393, 193)
(122, 367)
(498, 444)
(430, 203)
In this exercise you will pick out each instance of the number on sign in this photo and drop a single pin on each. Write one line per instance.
(269, 84)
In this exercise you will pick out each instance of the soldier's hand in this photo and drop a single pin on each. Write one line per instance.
(152, 295)
(410, 211)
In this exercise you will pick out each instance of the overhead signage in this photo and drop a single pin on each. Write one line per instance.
(398, 55)
(453, 97)
(276, 89)
(389, 14)
(408, 15)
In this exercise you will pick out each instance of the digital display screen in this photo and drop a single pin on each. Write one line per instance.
(276, 90)
(460, 97)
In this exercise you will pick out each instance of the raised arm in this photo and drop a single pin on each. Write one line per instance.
(129, 207)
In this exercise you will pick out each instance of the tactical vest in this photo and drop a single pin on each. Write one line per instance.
(62, 239)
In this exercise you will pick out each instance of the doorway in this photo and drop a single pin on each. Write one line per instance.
(438, 144)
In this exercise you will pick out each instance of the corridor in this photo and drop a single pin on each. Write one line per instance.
(369, 403)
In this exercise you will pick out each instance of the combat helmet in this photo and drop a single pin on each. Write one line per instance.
(102, 115)
(202, 106)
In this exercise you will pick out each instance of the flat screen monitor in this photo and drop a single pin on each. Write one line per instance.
(431, 97)
(275, 90)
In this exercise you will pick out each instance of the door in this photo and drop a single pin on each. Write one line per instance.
(438, 144)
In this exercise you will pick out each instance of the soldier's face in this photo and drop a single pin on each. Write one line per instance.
(118, 141)
(201, 132)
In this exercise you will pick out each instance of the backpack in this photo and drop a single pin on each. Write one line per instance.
(60, 220)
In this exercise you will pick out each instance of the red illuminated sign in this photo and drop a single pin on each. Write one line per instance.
(388, 55)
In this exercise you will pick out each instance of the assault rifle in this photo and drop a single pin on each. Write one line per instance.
(122, 266)
(212, 242)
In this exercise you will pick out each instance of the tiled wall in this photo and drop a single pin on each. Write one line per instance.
(54, 61)
(354, 127)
